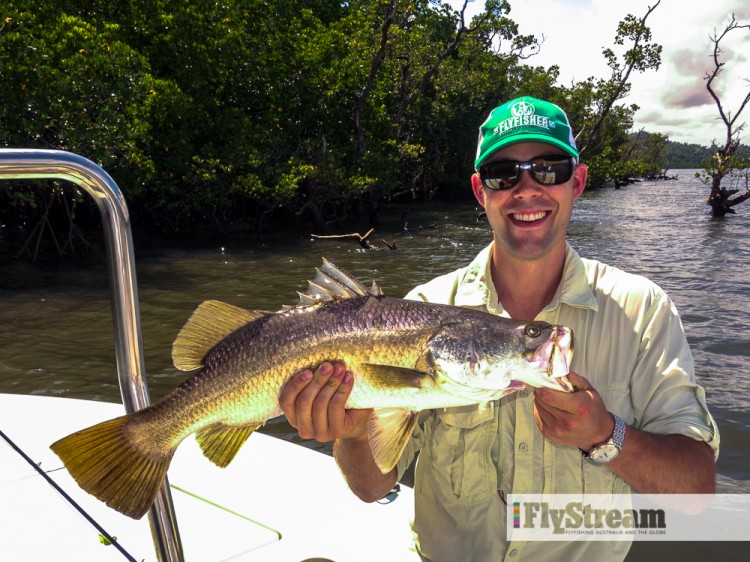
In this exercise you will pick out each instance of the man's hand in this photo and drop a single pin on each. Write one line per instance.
(651, 463)
(576, 419)
(313, 403)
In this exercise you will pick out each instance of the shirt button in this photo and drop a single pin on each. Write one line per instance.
(523, 447)
(513, 552)
(524, 393)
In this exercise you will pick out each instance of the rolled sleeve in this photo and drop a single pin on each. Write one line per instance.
(665, 396)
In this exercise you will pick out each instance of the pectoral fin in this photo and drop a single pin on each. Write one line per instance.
(220, 443)
(388, 376)
(389, 431)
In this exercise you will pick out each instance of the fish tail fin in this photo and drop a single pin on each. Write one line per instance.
(107, 463)
(220, 442)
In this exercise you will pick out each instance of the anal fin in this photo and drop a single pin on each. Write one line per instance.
(389, 430)
(220, 442)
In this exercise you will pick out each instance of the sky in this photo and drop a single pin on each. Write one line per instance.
(672, 100)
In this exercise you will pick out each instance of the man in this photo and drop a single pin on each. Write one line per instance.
(637, 419)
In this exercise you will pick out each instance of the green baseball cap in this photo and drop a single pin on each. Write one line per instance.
(525, 119)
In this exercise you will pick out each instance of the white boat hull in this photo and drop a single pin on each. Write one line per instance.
(277, 501)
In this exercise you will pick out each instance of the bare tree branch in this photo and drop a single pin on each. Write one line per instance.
(724, 163)
(621, 77)
(726, 117)
(361, 239)
(375, 64)
(408, 99)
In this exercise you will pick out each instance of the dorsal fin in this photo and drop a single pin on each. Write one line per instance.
(375, 289)
(333, 283)
(211, 322)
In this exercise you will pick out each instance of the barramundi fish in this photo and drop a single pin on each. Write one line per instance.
(406, 356)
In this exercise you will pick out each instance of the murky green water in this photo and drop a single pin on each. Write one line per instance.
(57, 339)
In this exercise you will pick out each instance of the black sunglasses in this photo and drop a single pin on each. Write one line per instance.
(546, 170)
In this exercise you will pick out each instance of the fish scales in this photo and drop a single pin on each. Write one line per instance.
(259, 358)
(243, 374)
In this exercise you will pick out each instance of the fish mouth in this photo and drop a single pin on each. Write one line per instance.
(553, 358)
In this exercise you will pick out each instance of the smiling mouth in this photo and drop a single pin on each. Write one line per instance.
(529, 217)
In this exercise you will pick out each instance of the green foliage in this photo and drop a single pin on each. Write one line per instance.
(228, 114)
(609, 166)
(649, 152)
(718, 165)
(686, 155)
(642, 55)
(76, 87)
(603, 125)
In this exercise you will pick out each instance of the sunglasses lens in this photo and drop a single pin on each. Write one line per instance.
(552, 171)
(546, 170)
(499, 175)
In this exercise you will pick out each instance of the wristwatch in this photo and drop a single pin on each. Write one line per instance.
(602, 454)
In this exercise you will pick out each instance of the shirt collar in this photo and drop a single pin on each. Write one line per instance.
(473, 288)
(574, 289)
(476, 287)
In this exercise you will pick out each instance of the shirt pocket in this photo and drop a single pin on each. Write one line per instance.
(460, 451)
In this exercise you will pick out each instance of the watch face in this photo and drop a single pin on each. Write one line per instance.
(604, 453)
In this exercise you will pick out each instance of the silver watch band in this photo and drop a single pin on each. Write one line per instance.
(607, 451)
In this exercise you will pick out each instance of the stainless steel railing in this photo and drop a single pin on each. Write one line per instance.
(55, 164)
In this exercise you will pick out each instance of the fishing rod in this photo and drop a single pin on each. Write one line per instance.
(105, 534)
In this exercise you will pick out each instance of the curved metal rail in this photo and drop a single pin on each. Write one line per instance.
(55, 164)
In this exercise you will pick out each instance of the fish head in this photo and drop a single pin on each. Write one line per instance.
(549, 358)
(497, 356)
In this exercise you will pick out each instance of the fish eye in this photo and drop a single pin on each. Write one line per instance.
(532, 330)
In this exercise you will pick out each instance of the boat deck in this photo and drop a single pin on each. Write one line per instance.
(276, 502)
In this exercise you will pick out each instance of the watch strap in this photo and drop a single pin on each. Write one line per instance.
(618, 435)
(617, 439)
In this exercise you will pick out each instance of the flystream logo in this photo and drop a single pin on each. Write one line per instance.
(571, 517)
(524, 114)
(577, 515)
(628, 517)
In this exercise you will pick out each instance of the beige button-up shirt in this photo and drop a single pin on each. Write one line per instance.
(631, 346)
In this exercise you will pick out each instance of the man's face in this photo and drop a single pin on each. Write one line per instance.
(530, 220)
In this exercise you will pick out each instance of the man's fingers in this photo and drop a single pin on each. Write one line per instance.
(314, 403)
(289, 393)
(553, 398)
(545, 417)
(303, 404)
(321, 402)
(578, 382)
(337, 415)
(571, 402)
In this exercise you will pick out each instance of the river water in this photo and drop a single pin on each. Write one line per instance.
(56, 336)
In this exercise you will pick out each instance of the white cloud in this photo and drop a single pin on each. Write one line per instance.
(673, 100)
